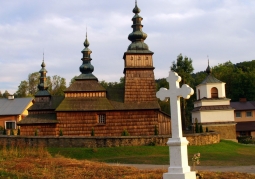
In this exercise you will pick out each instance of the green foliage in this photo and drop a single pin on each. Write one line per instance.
(56, 85)
(156, 130)
(92, 131)
(1, 128)
(226, 153)
(6, 94)
(4, 132)
(183, 66)
(201, 129)
(107, 85)
(36, 132)
(197, 129)
(60, 132)
(18, 133)
(125, 133)
(12, 133)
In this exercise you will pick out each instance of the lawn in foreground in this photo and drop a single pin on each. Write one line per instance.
(225, 153)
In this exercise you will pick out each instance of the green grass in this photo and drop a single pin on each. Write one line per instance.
(225, 153)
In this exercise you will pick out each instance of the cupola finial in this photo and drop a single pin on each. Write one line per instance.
(208, 69)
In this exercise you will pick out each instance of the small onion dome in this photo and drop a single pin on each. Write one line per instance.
(136, 9)
(208, 69)
(43, 64)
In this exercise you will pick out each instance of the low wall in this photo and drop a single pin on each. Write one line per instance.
(89, 142)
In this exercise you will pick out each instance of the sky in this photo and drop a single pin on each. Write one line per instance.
(221, 30)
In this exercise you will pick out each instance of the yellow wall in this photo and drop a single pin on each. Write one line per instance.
(243, 117)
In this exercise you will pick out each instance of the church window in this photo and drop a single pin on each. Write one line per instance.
(214, 92)
(101, 119)
(238, 114)
(248, 114)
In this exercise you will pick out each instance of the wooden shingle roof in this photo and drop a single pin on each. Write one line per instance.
(39, 119)
(51, 105)
(85, 86)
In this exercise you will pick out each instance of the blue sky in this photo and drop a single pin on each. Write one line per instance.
(222, 29)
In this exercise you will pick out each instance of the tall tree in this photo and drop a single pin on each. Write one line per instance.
(58, 85)
(1, 95)
(6, 94)
(33, 81)
(22, 89)
(183, 66)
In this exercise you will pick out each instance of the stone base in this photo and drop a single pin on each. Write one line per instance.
(188, 175)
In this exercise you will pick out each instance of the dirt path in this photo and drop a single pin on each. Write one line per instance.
(242, 169)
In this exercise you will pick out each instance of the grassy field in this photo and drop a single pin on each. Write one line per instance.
(225, 153)
(24, 162)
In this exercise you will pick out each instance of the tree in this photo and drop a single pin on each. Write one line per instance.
(183, 66)
(6, 94)
(33, 81)
(1, 95)
(58, 85)
(22, 89)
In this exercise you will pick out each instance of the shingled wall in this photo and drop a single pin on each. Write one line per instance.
(137, 123)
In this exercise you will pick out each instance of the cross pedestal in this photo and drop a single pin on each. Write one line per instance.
(179, 168)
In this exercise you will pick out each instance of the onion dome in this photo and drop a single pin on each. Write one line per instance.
(137, 37)
(208, 69)
(86, 68)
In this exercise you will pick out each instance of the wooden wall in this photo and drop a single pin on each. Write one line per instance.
(42, 130)
(137, 123)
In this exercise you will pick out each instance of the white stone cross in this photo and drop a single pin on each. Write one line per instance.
(179, 168)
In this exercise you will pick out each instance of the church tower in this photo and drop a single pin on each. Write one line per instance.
(42, 94)
(139, 76)
(212, 109)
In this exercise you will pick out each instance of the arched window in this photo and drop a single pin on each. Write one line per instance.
(198, 94)
(214, 92)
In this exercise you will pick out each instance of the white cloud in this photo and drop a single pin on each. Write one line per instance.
(222, 29)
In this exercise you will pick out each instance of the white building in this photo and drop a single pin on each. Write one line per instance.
(212, 109)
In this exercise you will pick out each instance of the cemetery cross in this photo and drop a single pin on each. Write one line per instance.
(179, 168)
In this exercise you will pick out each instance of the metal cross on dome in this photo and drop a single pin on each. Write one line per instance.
(174, 93)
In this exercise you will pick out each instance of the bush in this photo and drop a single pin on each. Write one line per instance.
(4, 132)
(60, 132)
(197, 128)
(201, 129)
(246, 140)
(92, 132)
(156, 130)
(125, 133)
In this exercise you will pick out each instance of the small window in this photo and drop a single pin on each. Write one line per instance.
(214, 92)
(10, 125)
(248, 114)
(238, 114)
(101, 119)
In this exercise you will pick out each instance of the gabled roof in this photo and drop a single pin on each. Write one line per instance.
(14, 106)
(248, 105)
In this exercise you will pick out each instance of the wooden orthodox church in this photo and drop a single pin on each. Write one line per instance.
(87, 106)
